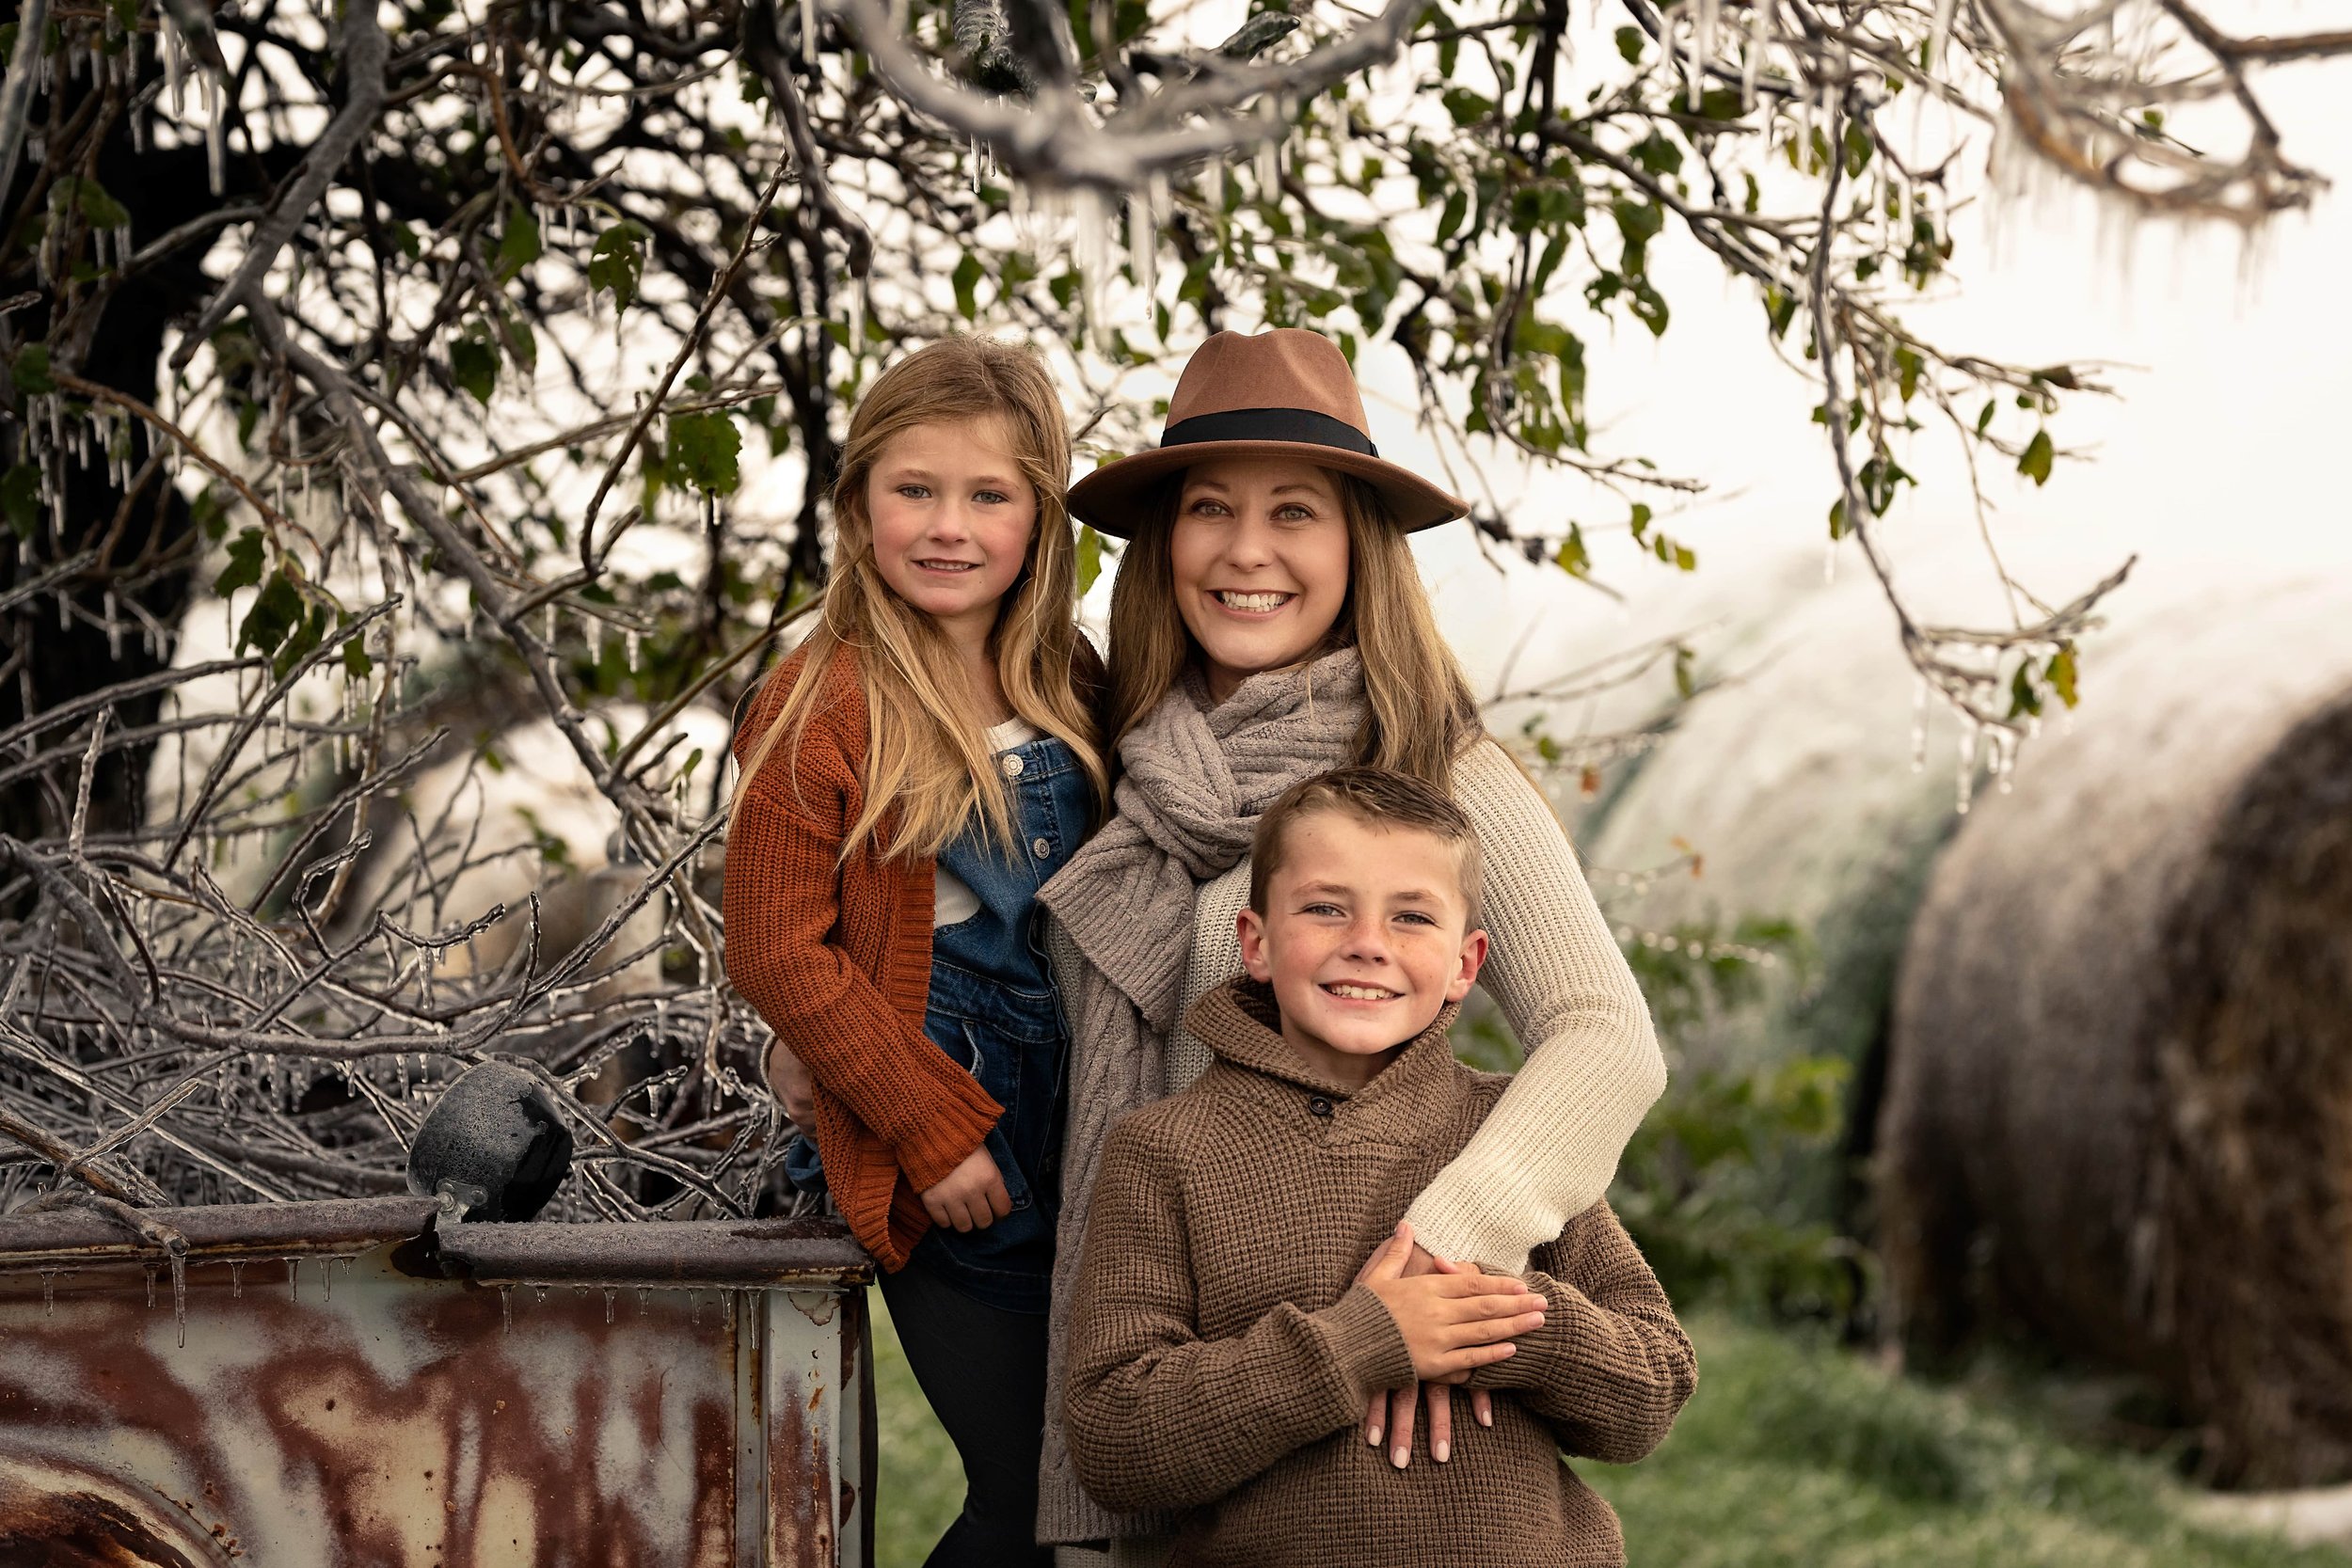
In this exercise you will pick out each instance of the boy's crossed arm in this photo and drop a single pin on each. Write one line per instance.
(1611, 1367)
(1159, 1417)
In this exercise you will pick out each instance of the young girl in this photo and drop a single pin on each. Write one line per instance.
(910, 776)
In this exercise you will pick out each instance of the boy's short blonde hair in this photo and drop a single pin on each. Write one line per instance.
(1378, 796)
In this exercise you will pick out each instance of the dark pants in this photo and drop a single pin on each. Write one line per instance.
(983, 1369)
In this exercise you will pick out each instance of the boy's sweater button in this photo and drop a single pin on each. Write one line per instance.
(1040, 847)
(1012, 765)
(1320, 1105)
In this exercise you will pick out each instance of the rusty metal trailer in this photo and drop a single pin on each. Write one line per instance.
(371, 1382)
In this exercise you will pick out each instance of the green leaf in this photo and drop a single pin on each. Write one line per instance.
(100, 209)
(2035, 465)
(1641, 515)
(20, 498)
(1684, 684)
(305, 637)
(1984, 416)
(276, 612)
(356, 664)
(1573, 558)
(703, 452)
(1467, 107)
(244, 563)
(1456, 207)
(2061, 674)
(967, 281)
(2023, 698)
(31, 369)
(1907, 368)
(519, 246)
(617, 262)
(1629, 44)
(1090, 557)
(1859, 148)
(210, 513)
(473, 363)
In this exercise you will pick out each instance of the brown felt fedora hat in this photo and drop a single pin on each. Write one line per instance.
(1284, 393)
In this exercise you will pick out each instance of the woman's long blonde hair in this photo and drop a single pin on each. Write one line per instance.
(928, 755)
(1419, 715)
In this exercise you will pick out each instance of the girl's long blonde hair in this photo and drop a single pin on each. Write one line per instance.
(928, 755)
(1419, 715)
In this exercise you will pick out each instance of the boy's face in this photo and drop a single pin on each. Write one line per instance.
(1364, 938)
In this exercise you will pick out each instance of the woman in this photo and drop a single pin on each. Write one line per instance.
(1269, 622)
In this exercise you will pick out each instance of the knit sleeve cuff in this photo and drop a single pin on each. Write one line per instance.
(1366, 1344)
(1469, 1222)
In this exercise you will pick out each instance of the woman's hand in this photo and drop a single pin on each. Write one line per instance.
(972, 1196)
(1452, 1321)
(1392, 1409)
(789, 1080)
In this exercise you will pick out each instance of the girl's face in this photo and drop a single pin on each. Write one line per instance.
(952, 517)
(1260, 558)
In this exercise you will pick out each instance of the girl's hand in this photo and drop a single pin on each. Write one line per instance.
(972, 1196)
(789, 1080)
(1391, 1410)
(1451, 1322)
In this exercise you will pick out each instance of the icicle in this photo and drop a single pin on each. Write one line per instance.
(400, 1063)
(506, 1308)
(1702, 49)
(1940, 34)
(175, 66)
(549, 628)
(629, 649)
(695, 1308)
(1143, 244)
(215, 113)
(645, 1299)
(539, 1294)
(972, 163)
(1919, 725)
(179, 1296)
(236, 1281)
(114, 624)
(1269, 169)
(809, 31)
(1760, 39)
(1967, 763)
(151, 1286)
(48, 1292)
(607, 1304)
(1089, 252)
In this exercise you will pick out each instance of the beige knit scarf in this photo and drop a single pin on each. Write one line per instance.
(1195, 781)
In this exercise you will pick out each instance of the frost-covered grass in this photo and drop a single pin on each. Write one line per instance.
(1793, 1454)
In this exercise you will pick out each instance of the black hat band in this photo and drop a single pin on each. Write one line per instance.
(1302, 425)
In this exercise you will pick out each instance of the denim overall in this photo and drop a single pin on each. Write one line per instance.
(992, 1009)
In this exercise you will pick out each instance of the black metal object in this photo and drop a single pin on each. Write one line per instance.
(494, 1145)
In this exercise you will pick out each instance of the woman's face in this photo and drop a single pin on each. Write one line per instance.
(1260, 558)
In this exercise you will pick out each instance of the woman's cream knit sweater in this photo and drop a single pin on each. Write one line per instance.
(1548, 1151)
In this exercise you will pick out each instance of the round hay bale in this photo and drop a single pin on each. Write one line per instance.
(2119, 1105)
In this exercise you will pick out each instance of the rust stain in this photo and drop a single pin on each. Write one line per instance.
(408, 1419)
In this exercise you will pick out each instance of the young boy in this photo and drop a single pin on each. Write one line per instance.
(1222, 1350)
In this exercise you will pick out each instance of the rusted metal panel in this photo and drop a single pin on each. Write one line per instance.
(542, 1395)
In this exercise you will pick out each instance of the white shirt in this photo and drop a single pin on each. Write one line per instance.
(951, 901)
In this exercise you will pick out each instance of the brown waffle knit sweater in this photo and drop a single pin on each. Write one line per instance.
(1221, 1357)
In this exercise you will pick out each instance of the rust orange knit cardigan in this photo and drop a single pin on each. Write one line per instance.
(836, 956)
